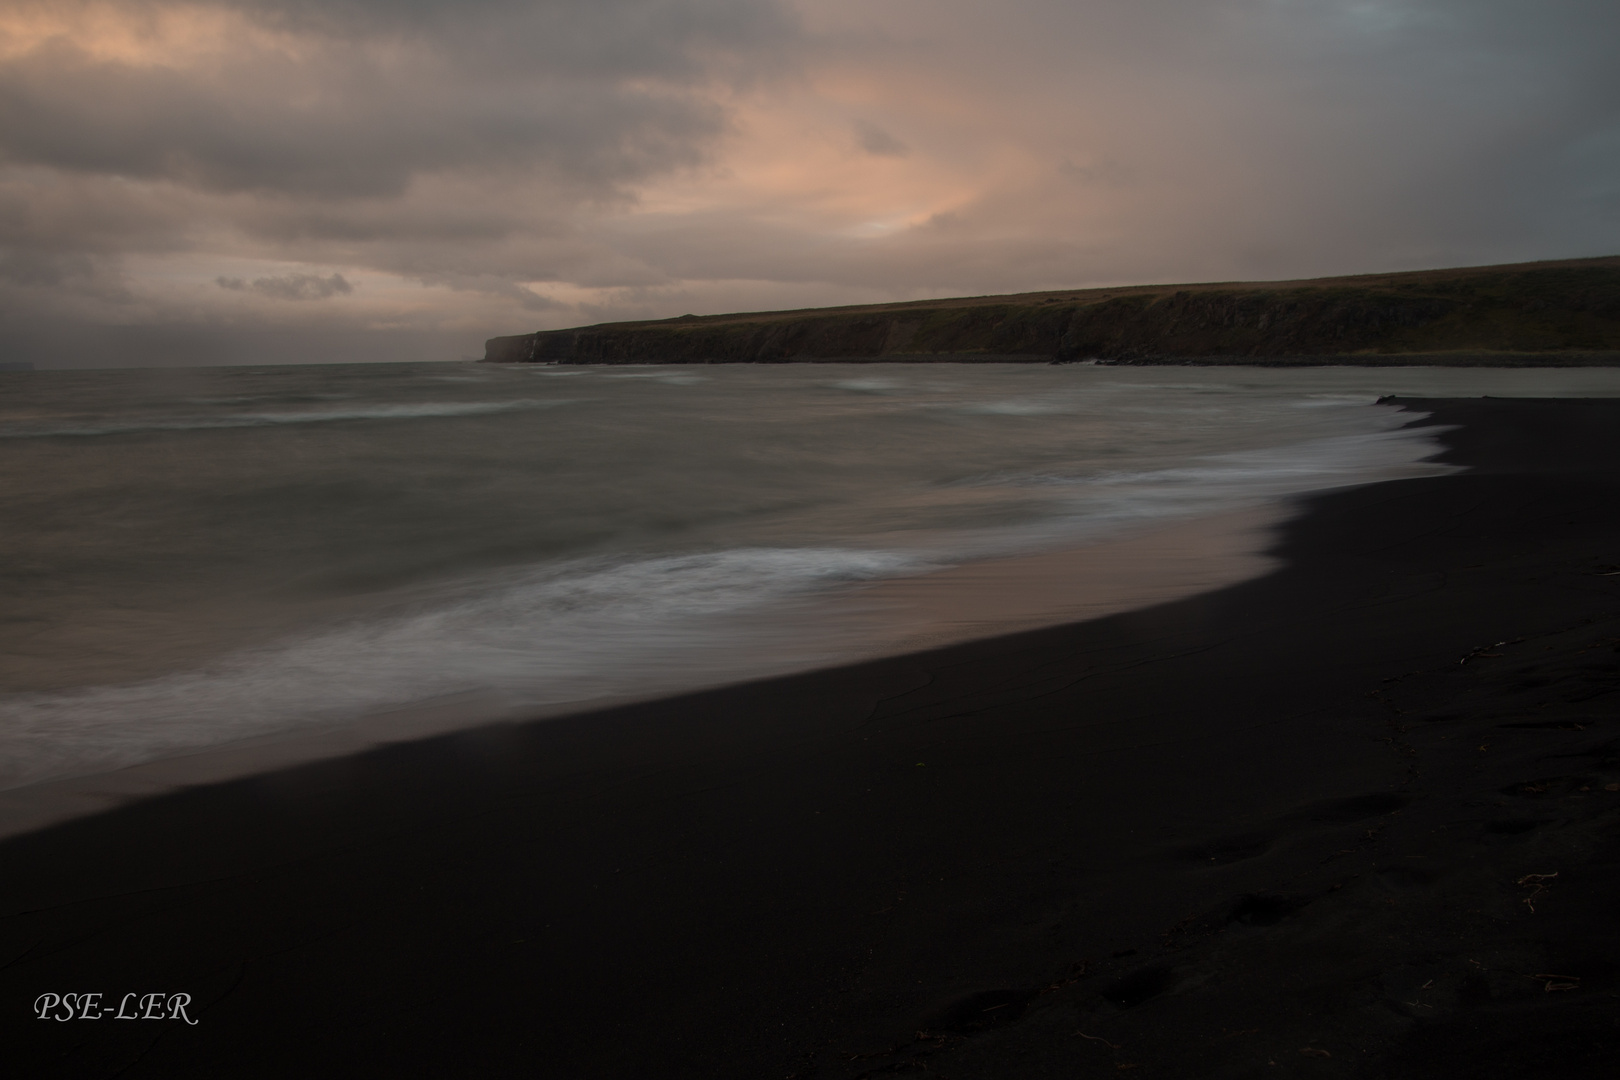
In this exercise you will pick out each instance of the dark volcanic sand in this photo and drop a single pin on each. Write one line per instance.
(1275, 830)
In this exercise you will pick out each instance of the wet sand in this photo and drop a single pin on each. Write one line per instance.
(1350, 818)
(1140, 568)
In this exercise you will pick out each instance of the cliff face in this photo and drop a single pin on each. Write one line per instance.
(1553, 313)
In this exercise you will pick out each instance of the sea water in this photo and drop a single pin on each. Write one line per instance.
(193, 557)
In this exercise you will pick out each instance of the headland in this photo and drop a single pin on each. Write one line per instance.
(1564, 313)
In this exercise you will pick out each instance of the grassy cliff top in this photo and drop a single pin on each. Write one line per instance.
(1533, 309)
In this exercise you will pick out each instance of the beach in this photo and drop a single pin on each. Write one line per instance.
(1352, 817)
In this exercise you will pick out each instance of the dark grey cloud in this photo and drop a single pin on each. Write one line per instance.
(874, 140)
(540, 162)
(290, 286)
(39, 269)
(594, 94)
(415, 138)
(677, 40)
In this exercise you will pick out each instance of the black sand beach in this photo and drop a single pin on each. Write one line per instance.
(1358, 817)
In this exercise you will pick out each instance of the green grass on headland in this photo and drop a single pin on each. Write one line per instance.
(1527, 314)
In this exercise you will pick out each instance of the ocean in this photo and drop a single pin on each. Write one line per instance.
(194, 558)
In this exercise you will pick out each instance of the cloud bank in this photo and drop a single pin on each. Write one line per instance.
(434, 173)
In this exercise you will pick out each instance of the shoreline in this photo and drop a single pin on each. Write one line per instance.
(1123, 570)
(1303, 825)
(1120, 571)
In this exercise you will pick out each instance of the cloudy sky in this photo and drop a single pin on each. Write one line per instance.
(261, 180)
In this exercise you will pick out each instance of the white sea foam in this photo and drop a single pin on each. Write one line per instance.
(533, 637)
(1085, 507)
(1242, 475)
(1318, 463)
(675, 377)
(868, 386)
(1016, 408)
(1222, 481)
(1317, 401)
(419, 411)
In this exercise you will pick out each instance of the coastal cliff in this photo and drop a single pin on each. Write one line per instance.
(1528, 314)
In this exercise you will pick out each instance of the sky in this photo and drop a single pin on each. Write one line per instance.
(263, 181)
